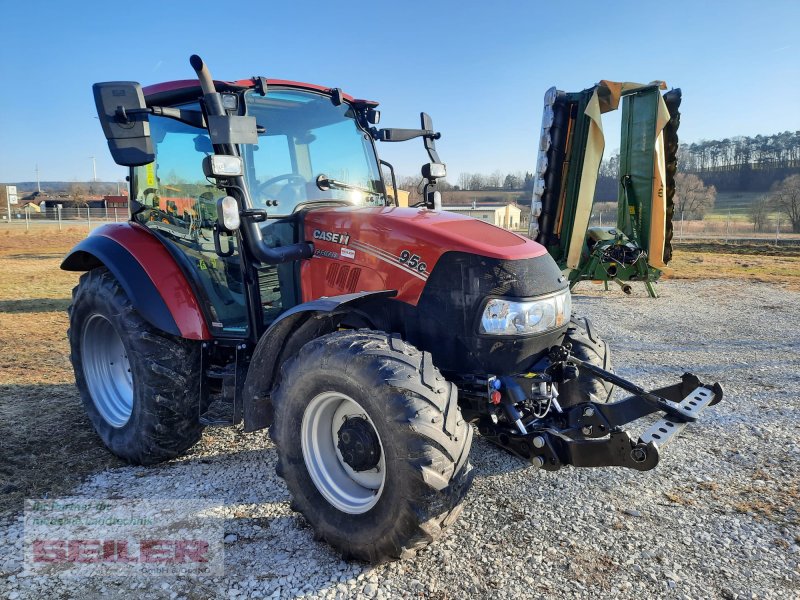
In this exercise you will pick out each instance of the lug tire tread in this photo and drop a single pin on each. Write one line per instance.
(589, 347)
(420, 413)
(164, 423)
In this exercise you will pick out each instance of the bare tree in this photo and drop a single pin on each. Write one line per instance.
(758, 213)
(692, 197)
(411, 184)
(494, 180)
(463, 180)
(476, 181)
(786, 198)
(77, 195)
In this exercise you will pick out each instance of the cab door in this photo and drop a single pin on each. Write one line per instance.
(179, 205)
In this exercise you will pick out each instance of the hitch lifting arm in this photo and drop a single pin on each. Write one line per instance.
(591, 435)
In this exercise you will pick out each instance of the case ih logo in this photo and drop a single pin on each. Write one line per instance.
(329, 236)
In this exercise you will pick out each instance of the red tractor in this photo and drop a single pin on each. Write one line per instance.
(266, 277)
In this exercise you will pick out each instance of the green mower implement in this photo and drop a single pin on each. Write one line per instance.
(570, 151)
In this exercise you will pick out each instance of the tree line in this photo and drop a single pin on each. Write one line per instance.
(519, 181)
(743, 163)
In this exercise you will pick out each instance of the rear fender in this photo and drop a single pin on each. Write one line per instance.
(285, 336)
(149, 275)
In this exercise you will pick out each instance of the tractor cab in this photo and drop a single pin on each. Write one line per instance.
(302, 139)
(285, 147)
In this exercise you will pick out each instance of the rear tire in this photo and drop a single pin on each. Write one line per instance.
(588, 347)
(139, 385)
(423, 440)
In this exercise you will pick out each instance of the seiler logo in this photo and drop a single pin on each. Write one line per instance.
(161, 551)
(329, 236)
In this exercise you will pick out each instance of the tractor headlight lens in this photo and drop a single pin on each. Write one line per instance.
(507, 317)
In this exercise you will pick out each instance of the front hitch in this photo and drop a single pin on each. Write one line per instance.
(591, 434)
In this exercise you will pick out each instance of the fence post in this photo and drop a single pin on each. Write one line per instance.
(777, 230)
(89, 218)
(115, 215)
(681, 227)
(27, 218)
(58, 211)
(727, 227)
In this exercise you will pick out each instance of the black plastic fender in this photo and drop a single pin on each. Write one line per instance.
(284, 337)
(101, 251)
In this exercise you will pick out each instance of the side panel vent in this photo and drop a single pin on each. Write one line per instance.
(343, 277)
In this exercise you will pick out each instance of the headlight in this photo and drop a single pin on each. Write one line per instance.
(507, 317)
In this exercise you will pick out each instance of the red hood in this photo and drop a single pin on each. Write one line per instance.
(359, 249)
(442, 231)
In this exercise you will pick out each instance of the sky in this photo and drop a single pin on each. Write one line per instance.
(480, 69)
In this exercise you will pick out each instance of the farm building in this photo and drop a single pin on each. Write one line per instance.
(507, 216)
(120, 202)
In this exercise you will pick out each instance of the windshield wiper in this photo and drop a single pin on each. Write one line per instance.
(324, 183)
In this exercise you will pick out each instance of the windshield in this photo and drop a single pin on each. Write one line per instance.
(307, 136)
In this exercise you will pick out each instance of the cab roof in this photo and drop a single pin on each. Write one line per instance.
(183, 90)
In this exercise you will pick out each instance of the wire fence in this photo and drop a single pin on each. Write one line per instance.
(723, 229)
(63, 218)
(715, 227)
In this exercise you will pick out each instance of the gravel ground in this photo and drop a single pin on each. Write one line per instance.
(717, 518)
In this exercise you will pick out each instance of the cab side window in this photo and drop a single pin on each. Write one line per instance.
(180, 205)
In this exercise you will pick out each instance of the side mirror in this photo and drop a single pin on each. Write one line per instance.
(124, 117)
(433, 171)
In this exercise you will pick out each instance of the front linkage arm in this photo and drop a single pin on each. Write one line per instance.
(591, 435)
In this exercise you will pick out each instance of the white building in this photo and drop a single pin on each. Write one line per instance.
(506, 216)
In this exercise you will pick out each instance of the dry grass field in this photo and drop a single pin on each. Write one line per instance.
(46, 443)
(748, 262)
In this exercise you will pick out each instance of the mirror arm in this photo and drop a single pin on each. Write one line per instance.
(193, 118)
(258, 215)
(403, 135)
(434, 156)
(394, 182)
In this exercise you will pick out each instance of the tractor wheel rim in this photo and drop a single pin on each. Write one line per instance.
(107, 371)
(348, 490)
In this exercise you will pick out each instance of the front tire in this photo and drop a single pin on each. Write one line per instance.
(140, 387)
(588, 347)
(371, 444)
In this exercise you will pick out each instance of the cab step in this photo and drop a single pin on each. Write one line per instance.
(224, 404)
(220, 412)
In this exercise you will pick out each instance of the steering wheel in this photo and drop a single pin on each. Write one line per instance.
(291, 178)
